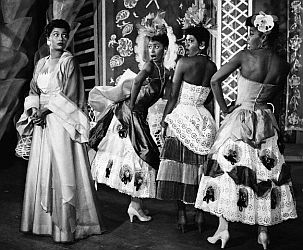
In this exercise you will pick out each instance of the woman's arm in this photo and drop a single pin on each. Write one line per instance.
(32, 100)
(220, 76)
(175, 88)
(139, 79)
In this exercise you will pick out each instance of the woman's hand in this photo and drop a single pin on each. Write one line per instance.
(163, 129)
(39, 117)
(163, 133)
(32, 112)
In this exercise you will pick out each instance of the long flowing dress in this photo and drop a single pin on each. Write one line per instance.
(190, 135)
(59, 199)
(127, 156)
(246, 178)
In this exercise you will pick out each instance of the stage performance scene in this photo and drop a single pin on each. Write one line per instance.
(151, 124)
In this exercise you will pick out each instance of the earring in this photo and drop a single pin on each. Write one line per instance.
(202, 47)
(48, 43)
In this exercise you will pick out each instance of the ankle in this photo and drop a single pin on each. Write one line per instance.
(135, 205)
(262, 229)
(181, 206)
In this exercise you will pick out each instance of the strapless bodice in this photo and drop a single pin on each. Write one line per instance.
(193, 95)
(252, 93)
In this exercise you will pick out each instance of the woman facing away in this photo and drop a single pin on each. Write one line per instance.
(246, 178)
(59, 199)
(127, 157)
(188, 127)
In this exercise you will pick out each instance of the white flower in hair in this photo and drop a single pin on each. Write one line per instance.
(264, 23)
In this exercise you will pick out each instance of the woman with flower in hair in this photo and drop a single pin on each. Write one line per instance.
(127, 157)
(59, 196)
(188, 127)
(246, 178)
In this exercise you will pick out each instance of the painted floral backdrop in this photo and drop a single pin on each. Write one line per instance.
(122, 16)
(294, 103)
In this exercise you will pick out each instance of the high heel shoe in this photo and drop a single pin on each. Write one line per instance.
(182, 220)
(223, 236)
(138, 213)
(199, 219)
(263, 239)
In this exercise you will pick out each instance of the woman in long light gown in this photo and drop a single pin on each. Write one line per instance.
(190, 128)
(59, 197)
(246, 179)
(127, 157)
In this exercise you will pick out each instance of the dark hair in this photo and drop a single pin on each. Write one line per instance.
(271, 37)
(56, 23)
(163, 39)
(200, 33)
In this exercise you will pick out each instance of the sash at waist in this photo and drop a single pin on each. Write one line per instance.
(255, 106)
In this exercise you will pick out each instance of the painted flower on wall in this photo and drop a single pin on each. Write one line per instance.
(116, 61)
(125, 47)
(293, 119)
(295, 42)
(294, 80)
(130, 3)
(122, 15)
(296, 7)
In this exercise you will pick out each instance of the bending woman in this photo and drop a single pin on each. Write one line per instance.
(189, 128)
(59, 197)
(246, 179)
(127, 157)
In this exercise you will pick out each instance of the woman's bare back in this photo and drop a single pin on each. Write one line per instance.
(198, 70)
(264, 66)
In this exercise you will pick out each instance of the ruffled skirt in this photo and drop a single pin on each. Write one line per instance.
(246, 178)
(117, 165)
(179, 172)
(190, 134)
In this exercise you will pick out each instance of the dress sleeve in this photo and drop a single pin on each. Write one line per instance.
(69, 104)
(32, 100)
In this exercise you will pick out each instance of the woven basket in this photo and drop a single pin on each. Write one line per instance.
(23, 147)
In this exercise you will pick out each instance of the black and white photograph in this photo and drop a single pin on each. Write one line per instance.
(151, 124)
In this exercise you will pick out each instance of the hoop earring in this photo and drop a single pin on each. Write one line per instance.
(202, 47)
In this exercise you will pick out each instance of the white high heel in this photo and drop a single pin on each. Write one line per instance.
(263, 239)
(223, 236)
(139, 213)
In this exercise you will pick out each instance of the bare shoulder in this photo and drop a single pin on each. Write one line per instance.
(242, 55)
(183, 61)
(148, 67)
(212, 66)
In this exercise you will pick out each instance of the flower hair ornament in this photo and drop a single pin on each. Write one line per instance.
(197, 17)
(264, 23)
(155, 25)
